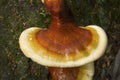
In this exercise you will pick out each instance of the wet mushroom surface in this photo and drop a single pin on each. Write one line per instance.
(64, 47)
(19, 15)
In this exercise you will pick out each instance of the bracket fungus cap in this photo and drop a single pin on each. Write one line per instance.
(67, 50)
(63, 44)
(42, 55)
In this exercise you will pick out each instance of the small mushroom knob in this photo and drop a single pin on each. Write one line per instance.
(54, 6)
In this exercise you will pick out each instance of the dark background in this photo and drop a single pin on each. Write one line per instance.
(17, 15)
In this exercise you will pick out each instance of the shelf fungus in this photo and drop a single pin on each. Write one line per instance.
(67, 50)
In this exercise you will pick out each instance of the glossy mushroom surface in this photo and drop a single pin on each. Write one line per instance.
(42, 55)
(64, 46)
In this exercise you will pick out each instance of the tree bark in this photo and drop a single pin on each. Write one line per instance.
(17, 15)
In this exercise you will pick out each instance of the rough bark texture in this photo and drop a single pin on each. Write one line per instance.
(17, 15)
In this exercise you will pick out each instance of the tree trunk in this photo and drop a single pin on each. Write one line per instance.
(17, 15)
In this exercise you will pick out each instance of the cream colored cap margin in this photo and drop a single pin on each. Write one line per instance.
(86, 72)
(95, 54)
(42, 1)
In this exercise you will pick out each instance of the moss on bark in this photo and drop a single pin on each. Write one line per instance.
(17, 15)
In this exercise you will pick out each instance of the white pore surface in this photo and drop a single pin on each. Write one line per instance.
(95, 54)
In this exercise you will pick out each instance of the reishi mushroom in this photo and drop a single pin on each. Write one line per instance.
(67, 50)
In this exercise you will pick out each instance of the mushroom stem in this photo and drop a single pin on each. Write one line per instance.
(64, 73)
(61, 14)
(84, 72)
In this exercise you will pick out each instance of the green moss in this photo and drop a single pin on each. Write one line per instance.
(17, 15)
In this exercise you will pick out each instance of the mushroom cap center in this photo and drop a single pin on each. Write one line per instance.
(65, 40)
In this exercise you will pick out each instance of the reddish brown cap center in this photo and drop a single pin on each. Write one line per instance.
(63, 36)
